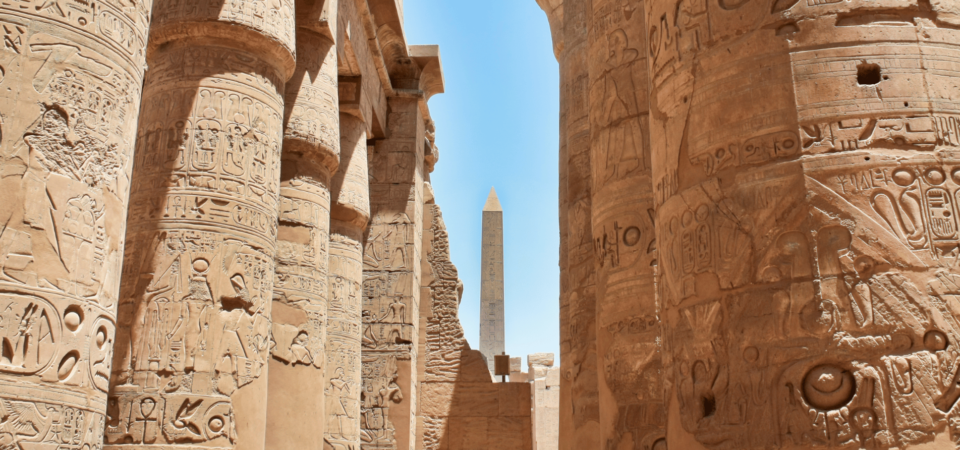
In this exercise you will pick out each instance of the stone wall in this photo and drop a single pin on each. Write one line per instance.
(545, 389)
(460, 405)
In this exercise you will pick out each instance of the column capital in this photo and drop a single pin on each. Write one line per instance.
(554, 10)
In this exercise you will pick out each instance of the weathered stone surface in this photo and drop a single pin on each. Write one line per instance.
(545, 390)
(349, 215)
(190, 366)
(462, 408)
(391, 286)
(802, 191)
(244, 241)
(311, 152)
(70, 90)
(820, 248)
(491, 281)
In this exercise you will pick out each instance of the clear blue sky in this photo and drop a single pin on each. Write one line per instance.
(497, 125)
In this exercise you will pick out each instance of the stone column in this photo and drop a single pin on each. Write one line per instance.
(311, 152)
(391, 287)
(70, 90)
(805, 159)
(349, 216)
(628, 353)
(580, 415)
(190, 366)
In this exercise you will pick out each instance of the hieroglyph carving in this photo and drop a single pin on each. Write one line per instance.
(807, 221)
(200, 261)
(445, 339)
(70, 78)
(380, 389)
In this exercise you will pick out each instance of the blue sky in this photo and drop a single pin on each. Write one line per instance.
(497, 125)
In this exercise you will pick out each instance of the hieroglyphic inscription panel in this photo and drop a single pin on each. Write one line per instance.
(350, 213)
(199, 269)
(70, 78)
(624, 244)
(806, 302)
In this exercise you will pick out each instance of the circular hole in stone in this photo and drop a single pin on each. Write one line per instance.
(935, 340)
(828, 387)
(73, 318)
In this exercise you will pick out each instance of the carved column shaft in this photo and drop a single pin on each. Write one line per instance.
(392, 278)
(311, 151)
(807, 302)
(348, 220)
(70, 90)
(628, 354)
(578, 334)
(190, 367)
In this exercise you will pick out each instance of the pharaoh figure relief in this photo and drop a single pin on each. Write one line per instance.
(70, 77)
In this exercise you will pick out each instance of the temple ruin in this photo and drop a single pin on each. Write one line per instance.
(759, 237)
(218, 231)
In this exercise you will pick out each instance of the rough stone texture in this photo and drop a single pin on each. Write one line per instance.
(311, 152)
(348, 220)
(461, 407)
(244, 252)
(545, 391)
(628, 353)
(803, 167)
(70, 90)
(391, 286)
(491, 281)
(579, 396)
(807, 220)
(190, 364)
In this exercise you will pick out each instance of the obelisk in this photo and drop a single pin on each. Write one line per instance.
(491, 281)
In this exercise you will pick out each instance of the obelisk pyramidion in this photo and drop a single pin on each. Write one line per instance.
(491, 281)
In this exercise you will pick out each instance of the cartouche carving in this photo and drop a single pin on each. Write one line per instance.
(70, 78)
(199, 264)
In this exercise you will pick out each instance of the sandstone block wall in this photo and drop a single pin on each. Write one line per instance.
(545, 390)
(460, 405)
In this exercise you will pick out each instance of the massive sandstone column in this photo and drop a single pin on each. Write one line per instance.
(349, 215)
(580, 414)
(391, 286)
(190, 365)
(628, 354)
(70, 89)
(806, 169)
(311, 152)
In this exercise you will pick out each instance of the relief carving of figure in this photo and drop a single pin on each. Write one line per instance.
(621, 139)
